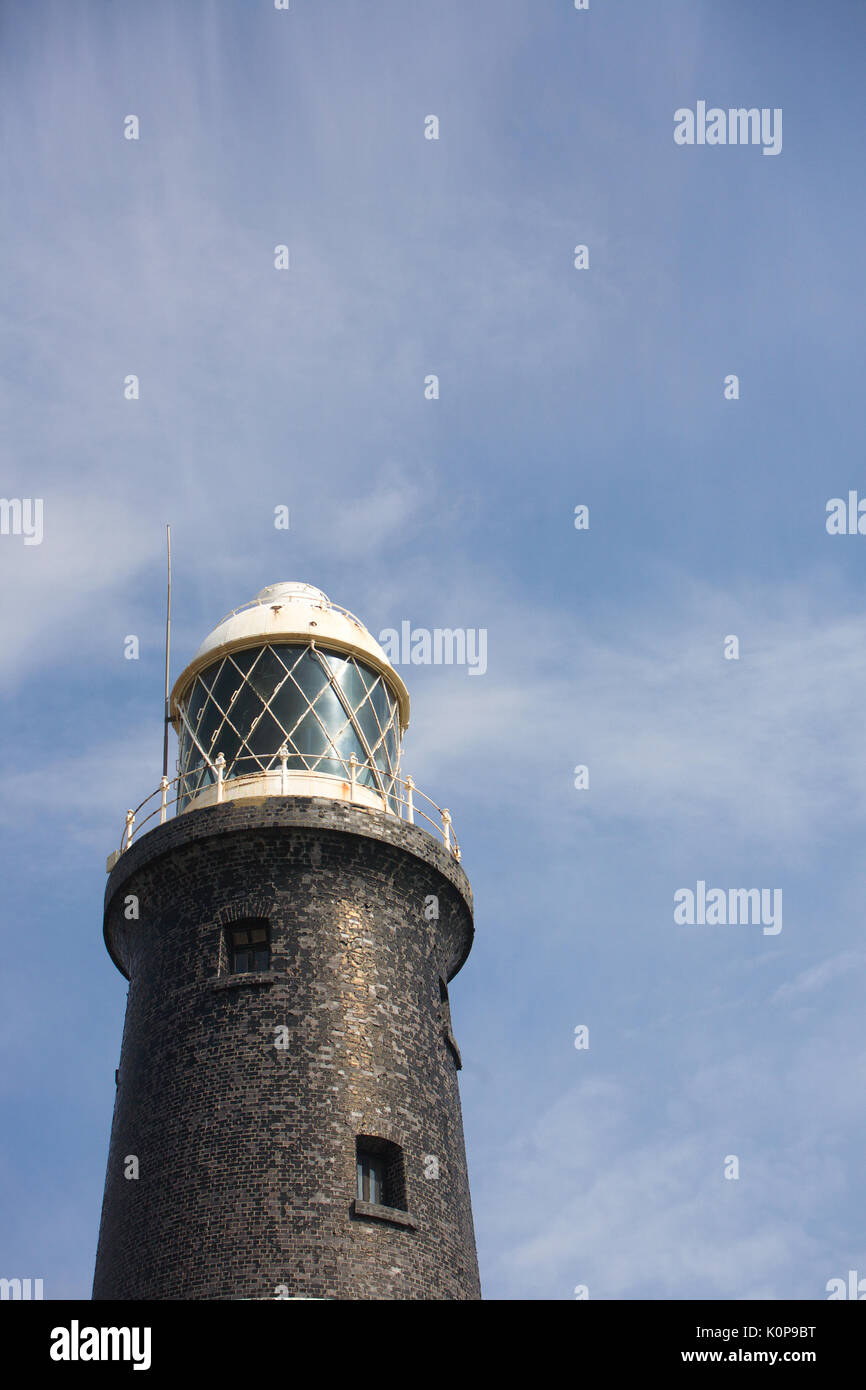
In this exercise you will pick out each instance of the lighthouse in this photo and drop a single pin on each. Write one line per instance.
(289, 912)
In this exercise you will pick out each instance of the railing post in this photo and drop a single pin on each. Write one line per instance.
(446, 828)
(284, 777)
(127, 839)
(220, 765)
(410, 804)
(353, 773)
(163, 801)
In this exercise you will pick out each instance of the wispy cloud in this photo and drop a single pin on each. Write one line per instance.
(811, 981)
(753, 750)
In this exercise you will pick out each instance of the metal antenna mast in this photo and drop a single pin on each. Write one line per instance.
(167, 720)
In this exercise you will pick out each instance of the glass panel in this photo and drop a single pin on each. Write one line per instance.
(267, 674)
(376, 1184)
(368, 677)
(264, 741)
(348, 743)
(194, 778)
(225, 685)
(258, 934)
(310, 737)
(241, 962)
(329, 708)
(245, 710)
(383, 706)
(204, 716)
(306, 670)
(348, 678)
(392, 745)
(288, 706)
(262, 957)
(227, 743)
(367, 724)
(244, 660)
(197, 702)
(210, 721)
(209, 675)
(370, 1172)
(240, 938)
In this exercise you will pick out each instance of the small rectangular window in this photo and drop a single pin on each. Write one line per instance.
(381, 1177)
(250, 948)
(371, 1178)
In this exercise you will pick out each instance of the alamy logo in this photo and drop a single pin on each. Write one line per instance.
(22, 516)
(847, 520)
(736, 126)
(75, 1343)
(21, 1288)
(719, 907)
(444, 646)
(856, 1288)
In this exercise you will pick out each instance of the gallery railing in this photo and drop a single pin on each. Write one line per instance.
(397, 796)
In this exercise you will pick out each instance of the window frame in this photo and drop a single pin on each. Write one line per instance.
(262, 947)
(388, 1158)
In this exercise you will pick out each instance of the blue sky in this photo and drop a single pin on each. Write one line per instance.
(305, 388)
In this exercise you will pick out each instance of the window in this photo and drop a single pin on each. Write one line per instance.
(249, 947)
(371, 1178)
(381, 1178)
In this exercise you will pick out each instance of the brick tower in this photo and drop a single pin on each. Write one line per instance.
(287, 1119)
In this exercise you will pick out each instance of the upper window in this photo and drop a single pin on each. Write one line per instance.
(250, 947)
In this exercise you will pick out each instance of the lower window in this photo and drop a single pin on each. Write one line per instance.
(381, 1178)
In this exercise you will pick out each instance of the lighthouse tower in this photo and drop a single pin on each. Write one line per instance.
(289, 913)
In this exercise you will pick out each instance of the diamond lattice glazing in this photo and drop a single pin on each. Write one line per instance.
(321, 705)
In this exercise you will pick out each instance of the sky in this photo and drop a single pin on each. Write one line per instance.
(598, 1169)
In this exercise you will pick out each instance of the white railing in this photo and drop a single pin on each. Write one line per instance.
(360, 784)
(285, 599)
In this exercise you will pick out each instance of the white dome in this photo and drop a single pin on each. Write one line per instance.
(286, 612)
(289, 589)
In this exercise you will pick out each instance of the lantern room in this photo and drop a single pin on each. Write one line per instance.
(289, 695)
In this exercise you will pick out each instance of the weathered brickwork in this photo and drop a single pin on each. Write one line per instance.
(246, 1150)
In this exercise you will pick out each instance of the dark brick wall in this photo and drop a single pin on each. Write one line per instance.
(247, 1152)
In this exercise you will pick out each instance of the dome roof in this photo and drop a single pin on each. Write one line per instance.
(290, 612)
